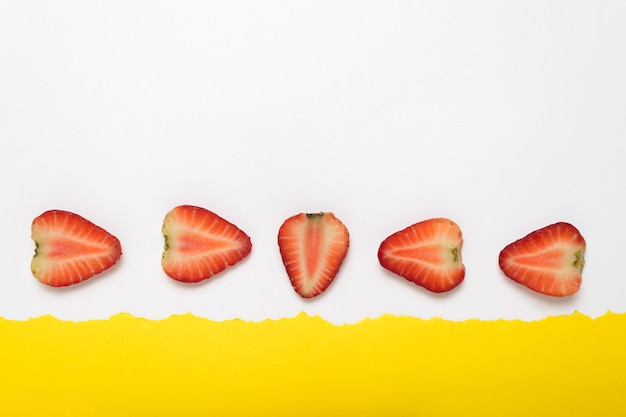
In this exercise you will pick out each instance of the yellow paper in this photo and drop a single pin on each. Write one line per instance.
(305, 366)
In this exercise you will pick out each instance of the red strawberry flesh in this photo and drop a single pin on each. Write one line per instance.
(549, 260)
(312, 246)
(70, 249)
(427, 253)
(200, 244)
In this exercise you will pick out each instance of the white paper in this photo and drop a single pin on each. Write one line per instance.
(502, 116)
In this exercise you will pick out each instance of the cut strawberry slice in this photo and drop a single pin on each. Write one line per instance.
(200, 244)
(549, 260)
(70, 249)
(427, 253)
(312, 247)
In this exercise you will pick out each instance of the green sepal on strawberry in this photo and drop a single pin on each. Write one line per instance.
(549, 260)
(313, 247)
(200, 244)
(427, 253)
(70, 249)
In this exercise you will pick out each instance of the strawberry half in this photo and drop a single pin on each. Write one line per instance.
(70, 249)
(312, 246)
(549, 260)
(427, 253)
(200, 244)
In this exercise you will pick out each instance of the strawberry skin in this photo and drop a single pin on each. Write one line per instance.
(70, 249)
(549, 260)
(200, 244)
(312, 247)
(427, 253)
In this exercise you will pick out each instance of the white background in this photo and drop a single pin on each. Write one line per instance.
(503, 116)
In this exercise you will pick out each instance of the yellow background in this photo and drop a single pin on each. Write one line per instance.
(305, 366)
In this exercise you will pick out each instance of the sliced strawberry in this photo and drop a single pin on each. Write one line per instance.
(200, 244)
(70, 249)
(427, 253)
(312, 247)
(549, 260)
